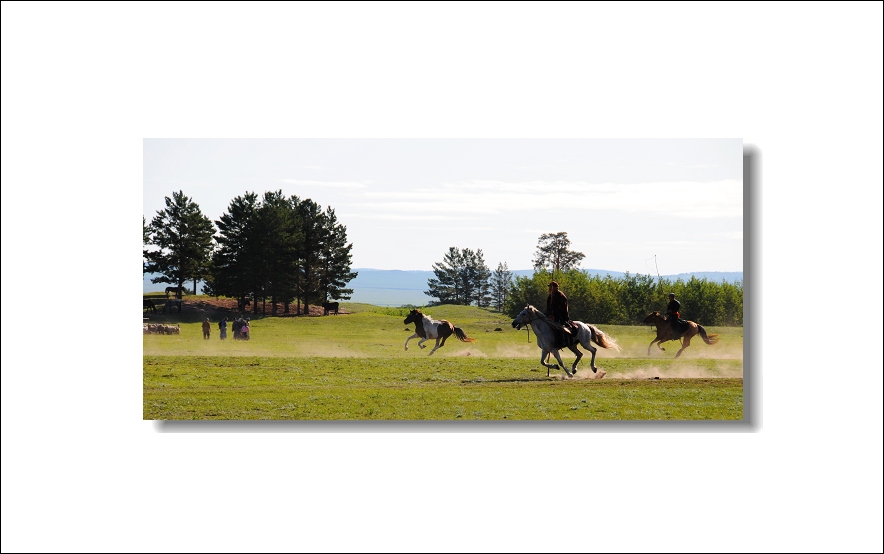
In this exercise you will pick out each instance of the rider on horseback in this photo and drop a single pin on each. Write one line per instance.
(674, 307)
(557, 309)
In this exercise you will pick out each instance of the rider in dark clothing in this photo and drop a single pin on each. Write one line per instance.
(557, 309)
(674, 309)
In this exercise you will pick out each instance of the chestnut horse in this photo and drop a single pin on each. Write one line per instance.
(427, 328)
(665, 333)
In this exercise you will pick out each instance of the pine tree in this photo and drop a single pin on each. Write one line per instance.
(482, 279)
(235, 257)
(336, 259)
(461, 278)
(184, 238)
(446, 287)
(501, 282)
(280, 246)
(312, 228)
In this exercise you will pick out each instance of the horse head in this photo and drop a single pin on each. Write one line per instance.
(414, 315)
(652, 318)
(525, 317)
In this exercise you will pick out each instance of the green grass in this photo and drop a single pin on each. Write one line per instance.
(354, 367)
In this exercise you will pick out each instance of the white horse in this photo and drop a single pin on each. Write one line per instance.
(546, 330)
(427, 328)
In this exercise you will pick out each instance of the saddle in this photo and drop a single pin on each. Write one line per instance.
(569, 338)
(679, 327)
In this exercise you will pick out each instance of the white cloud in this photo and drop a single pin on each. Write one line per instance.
(353, 185)
(693, 200)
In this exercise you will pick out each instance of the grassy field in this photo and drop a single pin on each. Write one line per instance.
(354, 367)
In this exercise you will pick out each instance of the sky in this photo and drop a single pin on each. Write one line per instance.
(645, 206)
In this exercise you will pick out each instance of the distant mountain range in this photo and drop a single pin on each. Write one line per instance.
(394, 287)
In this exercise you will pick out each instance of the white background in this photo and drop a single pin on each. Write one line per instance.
(83, 84)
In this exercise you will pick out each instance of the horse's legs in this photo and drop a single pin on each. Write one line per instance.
(579, 354)
(414, 336)
(657, 340)
(685, 344)
(562, 364)
(421, 343)
(592, 350)
(436, 347)
(543, 355)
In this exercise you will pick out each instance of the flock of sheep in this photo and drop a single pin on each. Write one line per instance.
(161, 329)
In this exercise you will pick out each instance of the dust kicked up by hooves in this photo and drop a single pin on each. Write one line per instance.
(658, 373)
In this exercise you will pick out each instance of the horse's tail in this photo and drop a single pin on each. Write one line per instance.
(603, 339)
(459, 333)
(710, 338)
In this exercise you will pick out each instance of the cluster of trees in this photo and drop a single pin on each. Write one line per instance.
(627, 300)
(286, 249)
(276, 248)
(463, 278)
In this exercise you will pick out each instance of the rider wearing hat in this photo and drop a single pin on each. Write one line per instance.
(674, 309)
(557, 307)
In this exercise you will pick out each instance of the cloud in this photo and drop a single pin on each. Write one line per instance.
(401, 216)
(677, 199)
(351, 185)
(691, 166)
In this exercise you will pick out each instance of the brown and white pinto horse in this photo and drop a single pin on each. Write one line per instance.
(665, 333)
(428, 328)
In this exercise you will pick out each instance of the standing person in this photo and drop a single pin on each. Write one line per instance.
(222, 328)
(207, 328)
(557, 309)
(237, 325)
(674, 310)
(246, 329)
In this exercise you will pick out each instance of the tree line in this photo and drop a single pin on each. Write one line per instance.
(275, 248)
(627, 300)
(462, 277)
(285, 249)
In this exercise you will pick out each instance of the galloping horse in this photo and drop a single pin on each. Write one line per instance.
(665, 333)
(546, 330)
(427, 328)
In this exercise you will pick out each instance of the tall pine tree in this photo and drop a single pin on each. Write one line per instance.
(501, 282)
(236, 256)
(335, 258)
(184, 240)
